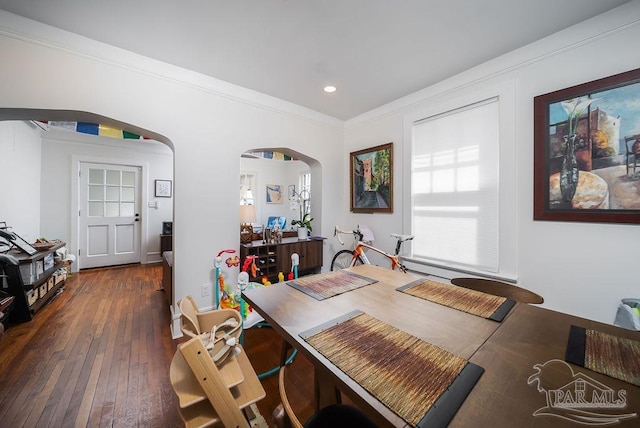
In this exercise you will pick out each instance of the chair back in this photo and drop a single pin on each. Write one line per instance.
(498, 288)
(189, 317)
(195, 379)
(292, 418)
(628, 314)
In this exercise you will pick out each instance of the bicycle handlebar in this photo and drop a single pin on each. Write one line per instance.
(358, 235)
(336, 233)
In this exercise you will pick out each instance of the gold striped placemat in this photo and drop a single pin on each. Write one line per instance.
(604, 353)
(405, 373)
(463, 299)
(329, 284)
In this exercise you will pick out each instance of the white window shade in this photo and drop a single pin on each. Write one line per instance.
(454, 187)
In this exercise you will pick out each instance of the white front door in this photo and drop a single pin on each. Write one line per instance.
(109, 223)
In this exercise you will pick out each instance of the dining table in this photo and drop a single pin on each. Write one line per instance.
(523, 380)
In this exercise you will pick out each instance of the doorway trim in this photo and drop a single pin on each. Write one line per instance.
(76, 160)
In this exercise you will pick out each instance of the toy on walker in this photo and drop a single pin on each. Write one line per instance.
(219, 278)
(227, 298)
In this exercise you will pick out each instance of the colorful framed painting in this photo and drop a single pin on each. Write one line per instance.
(587, 151)
(371, 178)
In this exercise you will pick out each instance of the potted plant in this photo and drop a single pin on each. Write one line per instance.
(304, 226)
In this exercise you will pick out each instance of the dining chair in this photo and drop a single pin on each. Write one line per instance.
(335, 416)
(499, 288)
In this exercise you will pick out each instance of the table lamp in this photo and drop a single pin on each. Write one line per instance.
(247, 216)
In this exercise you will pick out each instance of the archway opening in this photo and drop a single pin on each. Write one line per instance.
(282, 185)
(51, 168)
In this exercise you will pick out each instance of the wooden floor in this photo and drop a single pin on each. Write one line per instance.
(98, 355)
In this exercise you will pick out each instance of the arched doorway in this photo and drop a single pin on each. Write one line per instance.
(285, 173)
(62, 151)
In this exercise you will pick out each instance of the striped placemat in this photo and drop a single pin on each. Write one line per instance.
(421, 383)
(463, 299)
(604, 353)
(329, 284)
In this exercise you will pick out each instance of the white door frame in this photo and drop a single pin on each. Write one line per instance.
(75, 202)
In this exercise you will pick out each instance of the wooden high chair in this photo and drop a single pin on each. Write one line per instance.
(205, 394)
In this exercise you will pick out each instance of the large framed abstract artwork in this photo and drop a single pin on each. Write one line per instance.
(587, 151)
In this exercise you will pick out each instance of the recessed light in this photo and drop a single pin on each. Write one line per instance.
(329, 89)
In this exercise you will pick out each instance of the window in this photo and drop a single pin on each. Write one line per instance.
(305, 185)
(461, 192)
(247, 185)
(455, 188)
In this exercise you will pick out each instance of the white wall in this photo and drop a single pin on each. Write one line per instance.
(210, 124)
(579, 268)
(61, 148)
(20, 156)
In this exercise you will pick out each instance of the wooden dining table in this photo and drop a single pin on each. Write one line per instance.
(507, 351)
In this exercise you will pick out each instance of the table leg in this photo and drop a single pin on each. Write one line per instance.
(325, 391)
(283, 352)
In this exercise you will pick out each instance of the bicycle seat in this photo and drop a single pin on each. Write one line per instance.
(402, 238)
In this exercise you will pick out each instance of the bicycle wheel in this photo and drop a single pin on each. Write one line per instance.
(342, 260)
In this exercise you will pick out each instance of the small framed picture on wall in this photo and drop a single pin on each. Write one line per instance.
(274, 194)
(163, 188)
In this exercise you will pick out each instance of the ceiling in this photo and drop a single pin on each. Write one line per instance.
(373, 51)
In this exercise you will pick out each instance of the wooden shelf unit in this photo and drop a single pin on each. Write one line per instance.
(40, 280)
(275, 258)
(266, 260)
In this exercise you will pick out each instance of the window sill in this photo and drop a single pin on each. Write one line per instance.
(449, 271)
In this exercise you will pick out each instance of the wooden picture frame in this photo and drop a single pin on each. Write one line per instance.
(587, 151)
(163, 188)
(371, 180)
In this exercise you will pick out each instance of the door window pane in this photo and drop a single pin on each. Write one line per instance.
(112, 209)
(128, 194)
(96, 193)
(96, 176)
(127, 209)
(113, 177)
(96, 209)
(113, 193)
(128, 178)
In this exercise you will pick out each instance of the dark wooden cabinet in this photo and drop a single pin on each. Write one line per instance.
(166, 243)
(167, 275)
(309, 254)
(266, 261)
(271, 259)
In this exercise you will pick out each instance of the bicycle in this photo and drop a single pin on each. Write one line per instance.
(349, 258)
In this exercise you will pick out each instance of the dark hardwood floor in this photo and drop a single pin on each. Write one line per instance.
(98, 355)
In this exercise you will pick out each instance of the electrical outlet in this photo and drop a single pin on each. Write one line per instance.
(206, 290)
